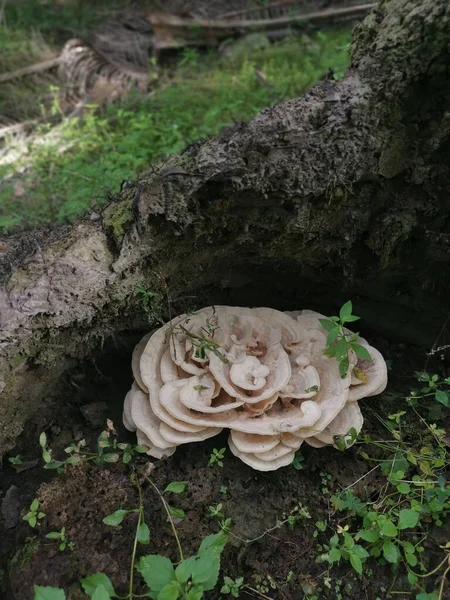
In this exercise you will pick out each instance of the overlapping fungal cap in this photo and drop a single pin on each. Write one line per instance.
(259, 372)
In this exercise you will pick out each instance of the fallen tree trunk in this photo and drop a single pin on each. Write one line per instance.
(342, 193)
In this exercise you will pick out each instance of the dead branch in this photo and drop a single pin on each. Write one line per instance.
(46, 65)
(172, 31)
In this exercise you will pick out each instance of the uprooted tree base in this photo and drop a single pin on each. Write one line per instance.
(342, 193)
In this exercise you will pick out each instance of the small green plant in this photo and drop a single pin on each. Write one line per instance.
(152, 304)
(298, 461)
(203, 344)
(343, 546)
(190, 578)
(340, 342)
(325, 479)
(344, 441)
(109, 450)
(216, 511)
(15, 460)
(433, 396)
(216, 457)
(60, 536)
(34, 515)
(232, 586)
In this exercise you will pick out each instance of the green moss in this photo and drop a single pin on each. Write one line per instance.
(119, 217)
(17, 360)
(26, 553)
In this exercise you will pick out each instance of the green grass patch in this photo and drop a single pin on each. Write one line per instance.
(75, 166)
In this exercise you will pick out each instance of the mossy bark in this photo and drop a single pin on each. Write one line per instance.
(342, 193)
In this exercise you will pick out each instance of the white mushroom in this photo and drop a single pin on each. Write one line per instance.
(261, 373)
(126, 415)
(262, 376)
(291, 440)
(374, 375)
(279, 451)
(143, 440)
(252, 443)
(333, 390)
(258, 408)
(178, 437)
(349, 417)
(277, 419)
(146, 421)
(136, 359)
(199, 393)
(315, 443)
(259, 464)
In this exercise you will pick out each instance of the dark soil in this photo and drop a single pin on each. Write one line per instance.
(281, 562)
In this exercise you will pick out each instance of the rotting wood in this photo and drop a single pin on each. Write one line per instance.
(172, 31)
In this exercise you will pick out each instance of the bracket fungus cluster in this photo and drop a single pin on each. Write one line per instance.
(259, 372)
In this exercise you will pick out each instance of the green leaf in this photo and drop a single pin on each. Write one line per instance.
(408, 518)
(184, 570)
(34, 505)
(205, 567)
(48, 593)
(126, 458)
(327, 324)
(176, 512)
(46, 456)
(115, 518)
(141, 449)
(442, 397)
(171, 591)
(332, 336)
(412, 578)
(53, 535)
(195, 593)
(390, 552)
(216, 541)
(156, 570)
(343, 367)
(361, 351)
(111, 457)
(43, 440)
(389, 529)
(176, 487)
(411, 559)
(348, 541)
(211, 583)
(356, 563)
(345, 311)
(334, 555)
(56, 464)
(91, 583)
(368, 535)
(360, 551)
(351, 319)
(403, 488)
(100, 593)
(143, 534)
(341, 349)
(334, 541)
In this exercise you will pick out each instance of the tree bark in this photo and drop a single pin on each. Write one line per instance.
(342, 193)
